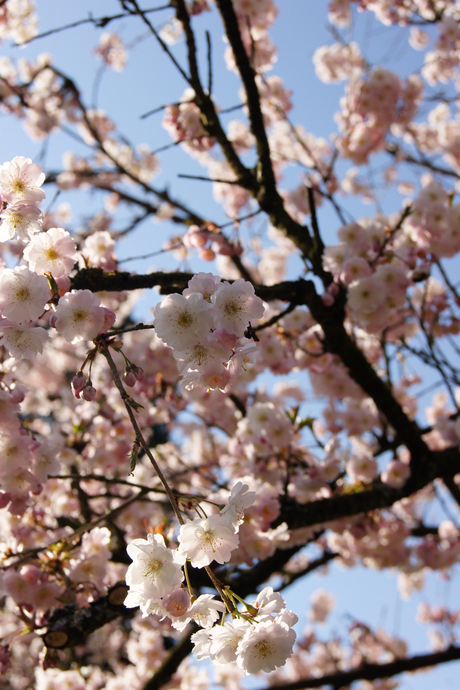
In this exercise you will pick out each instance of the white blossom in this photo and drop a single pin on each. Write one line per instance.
(264, 647)
(53, 251)
(204, 540)
(204, 611)
(235, 305)
(240, 498)
(20, 220)
(79, 316)
(22, 340)
(180, 320)
(23, 294)
(20, 180)
(153, 570)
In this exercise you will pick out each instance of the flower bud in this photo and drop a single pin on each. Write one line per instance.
(77, 383)
(109, 319)
(177, 603)
(327, 299)
(206, 254)
(5, 498)
(5, 662)
(88, 393)
(17, 395)
(129, 377)
(138, 373)
(63, 284)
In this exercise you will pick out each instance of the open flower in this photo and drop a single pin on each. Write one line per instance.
(20, 220)
(153, 570)
(22, 340)
(180, 320)
(235, 306)
(20, 180)
(23, 294)
(53, 251)
(206, 540)
(79, 316)
(265, 647)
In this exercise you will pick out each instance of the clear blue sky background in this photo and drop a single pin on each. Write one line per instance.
(151, 81)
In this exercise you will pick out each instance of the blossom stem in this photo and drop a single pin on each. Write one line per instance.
(104, 349)
(187, 577)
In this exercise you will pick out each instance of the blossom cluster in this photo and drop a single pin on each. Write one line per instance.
(259, 638)
(64, 464)
(205, 326)
(26, 292)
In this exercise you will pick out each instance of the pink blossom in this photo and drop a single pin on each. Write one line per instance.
(22, 339)
(235, 305)
(112, 51)
(20, 220)
(99, 248)
(53, 251)
(79, 316)
(265, 647)
(20, 180)
(23, 294)
(205, 540)
(395, 474)
(180, 320)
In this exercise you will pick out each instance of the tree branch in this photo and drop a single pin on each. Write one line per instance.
(372, 671)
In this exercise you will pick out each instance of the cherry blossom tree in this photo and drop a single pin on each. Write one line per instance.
(163, 482)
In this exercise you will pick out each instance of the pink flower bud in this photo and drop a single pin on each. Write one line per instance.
(177, 603)
(5, 662)
(31, 574)
(77, 383)
(226, 250)
(5, 498)
(138, 373)
(196, 239)
(88, 393)
(333, 289)
(63, 283)
(18, 506)
(109, 319)
(53, 319)
(17, 395)
(327, 299)
(129, 377)
(206, 254)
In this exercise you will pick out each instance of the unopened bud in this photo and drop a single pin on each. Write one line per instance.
(63, 285)
(129, 378)
(109, 320)
(327, 299)
(17, 395)
(206, 254)
(5, 498)
(77, 383)
(138, 373)
(88, 393)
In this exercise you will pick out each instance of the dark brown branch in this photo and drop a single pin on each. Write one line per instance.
(175, 656)
(267, 194)
(70, 626)
(445, 463)
(209, 117)
(99, 22)
(373, 671)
